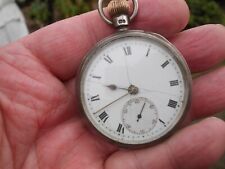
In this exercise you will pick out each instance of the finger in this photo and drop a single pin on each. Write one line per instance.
(208, 94)
(62, 45)
(202, 47)
(192, 148)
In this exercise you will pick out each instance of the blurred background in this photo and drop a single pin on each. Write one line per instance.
(19, 17)
(39, 13)
(42, 12)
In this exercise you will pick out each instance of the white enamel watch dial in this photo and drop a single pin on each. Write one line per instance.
(134, 88)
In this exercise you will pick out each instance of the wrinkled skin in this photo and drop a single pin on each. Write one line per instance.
(41, 126)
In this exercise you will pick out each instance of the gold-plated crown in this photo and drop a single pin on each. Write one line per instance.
(118, 7)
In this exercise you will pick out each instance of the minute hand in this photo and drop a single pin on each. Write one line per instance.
(112, 103)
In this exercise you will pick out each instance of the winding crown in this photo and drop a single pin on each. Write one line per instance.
(118, 7)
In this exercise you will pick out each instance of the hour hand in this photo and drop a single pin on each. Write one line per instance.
(115, 87)
(132, 90)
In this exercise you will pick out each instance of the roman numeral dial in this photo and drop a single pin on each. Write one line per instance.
(133, 89)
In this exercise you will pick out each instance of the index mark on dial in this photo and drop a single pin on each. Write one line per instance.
(120, 129)
(161, 121)
(127, 50)
(108, 59)
(172, 104)
(96, 77)
(148, 52)
(174, 83)
(104, 116)
(165, 64)
(95, 98)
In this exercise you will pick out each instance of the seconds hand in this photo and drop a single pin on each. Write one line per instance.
(140, 115)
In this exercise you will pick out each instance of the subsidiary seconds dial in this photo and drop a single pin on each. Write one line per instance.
(139, 115)
(134, 88)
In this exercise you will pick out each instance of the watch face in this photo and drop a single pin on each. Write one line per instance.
(134, 88)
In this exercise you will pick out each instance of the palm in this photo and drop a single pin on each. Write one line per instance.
(40, 122)
(41, 118)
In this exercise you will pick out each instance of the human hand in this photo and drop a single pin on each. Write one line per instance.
(42, 127)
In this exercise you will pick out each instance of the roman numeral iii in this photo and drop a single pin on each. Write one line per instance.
(172, 104)
(174, 83)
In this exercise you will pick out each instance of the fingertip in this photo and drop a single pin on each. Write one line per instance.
(167, 18)
(202, 47)
(217, 127)
(181, 15)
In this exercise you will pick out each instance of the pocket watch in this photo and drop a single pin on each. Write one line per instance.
(134, 87)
